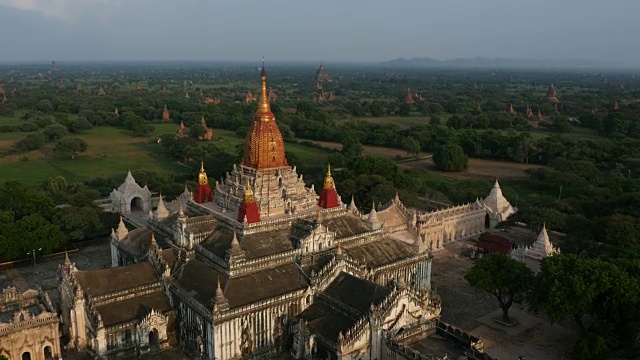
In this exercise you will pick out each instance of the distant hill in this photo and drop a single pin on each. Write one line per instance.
(494, 63)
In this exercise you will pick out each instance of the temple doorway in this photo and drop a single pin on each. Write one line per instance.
(487, 221)
(137, 204)
(26, 355)
(48, 354)
(153, 339)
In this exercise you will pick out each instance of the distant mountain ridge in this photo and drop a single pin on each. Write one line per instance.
(480, 62)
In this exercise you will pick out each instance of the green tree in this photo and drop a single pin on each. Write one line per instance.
(143, 129)
(196, 131)
(571, 287)
(411, 145)
(31, 142)
(55, 132)
(560, 124)
(81, 125)
(506, 279)
(71, 146)
(450, 157)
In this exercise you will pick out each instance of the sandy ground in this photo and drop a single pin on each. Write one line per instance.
(465, 308)
(478, 168)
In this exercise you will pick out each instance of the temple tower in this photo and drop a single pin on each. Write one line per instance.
(182, 130)
(202, 192)
(101, 92)
(408, 98)
(277, 188)
(165, 114)
(208, 135)
(328, 195)
(321, 74)
(512, 111)
(552, 95)
(497, 206)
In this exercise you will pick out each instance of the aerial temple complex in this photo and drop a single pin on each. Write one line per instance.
(258, 264)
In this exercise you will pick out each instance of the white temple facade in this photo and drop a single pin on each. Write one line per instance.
(497, 206)
(130, 197)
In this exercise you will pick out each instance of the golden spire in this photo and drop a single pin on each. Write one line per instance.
(264, 108)
(328, 180)
(248, 193)
(202, 177)
(264, 146)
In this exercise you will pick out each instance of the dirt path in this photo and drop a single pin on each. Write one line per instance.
(478, 168)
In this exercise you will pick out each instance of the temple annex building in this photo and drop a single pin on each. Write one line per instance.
(258, 265)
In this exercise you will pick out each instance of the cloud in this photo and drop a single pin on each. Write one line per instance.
(67, 10)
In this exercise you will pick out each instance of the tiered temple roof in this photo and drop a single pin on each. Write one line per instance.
(277, 187)
(497, 205)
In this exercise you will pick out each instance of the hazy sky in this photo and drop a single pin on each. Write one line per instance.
(332, 30)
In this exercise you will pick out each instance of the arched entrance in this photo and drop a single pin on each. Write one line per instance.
(487, 221)
(48, 354)
(137, 204)
(154, 339)
(26, 355)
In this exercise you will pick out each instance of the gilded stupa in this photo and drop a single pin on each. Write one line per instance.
(264, 146)
(277, 188)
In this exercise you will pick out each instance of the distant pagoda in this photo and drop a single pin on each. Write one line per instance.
(552, 95)
(165, 114)
(321, 74)
(408, 98)
(208, 135)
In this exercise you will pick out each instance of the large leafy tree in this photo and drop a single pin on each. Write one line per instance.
(571, 287)
(450, 157)
(506, 279)
(71, 146)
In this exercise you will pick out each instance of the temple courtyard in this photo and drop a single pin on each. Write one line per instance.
(534, 337)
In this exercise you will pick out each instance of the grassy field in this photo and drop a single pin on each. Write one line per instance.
(111, 152)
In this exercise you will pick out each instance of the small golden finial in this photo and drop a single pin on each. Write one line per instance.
(248, 193)
(219, 282)
(202, 177)
(328, 179)
(264, 108)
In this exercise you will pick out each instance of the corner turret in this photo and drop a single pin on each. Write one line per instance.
(248, 210)
(328, 195)
(202, 192)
